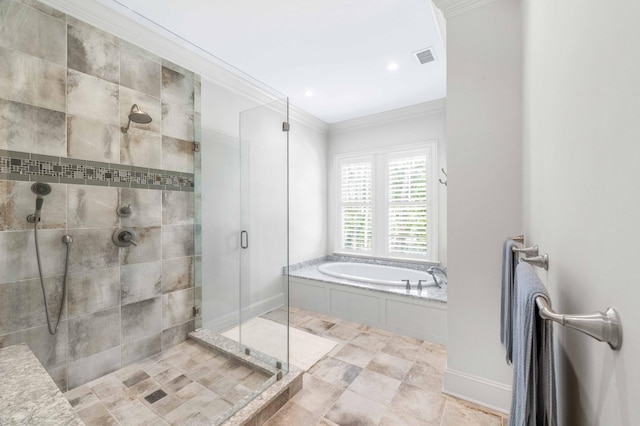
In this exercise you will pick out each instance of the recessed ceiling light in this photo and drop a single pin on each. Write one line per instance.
(308, 93)
(392, 66)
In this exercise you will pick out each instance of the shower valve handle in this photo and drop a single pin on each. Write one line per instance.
(127, 237)
(124, 237)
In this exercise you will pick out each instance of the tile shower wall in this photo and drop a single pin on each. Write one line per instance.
(65, 90)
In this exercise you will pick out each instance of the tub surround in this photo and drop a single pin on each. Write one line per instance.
(29, 396)
(309, 270)
(419, 314)
(420, 266)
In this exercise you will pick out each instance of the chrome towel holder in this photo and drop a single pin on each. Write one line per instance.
(531, 253)
(517, 238)
(602, 326)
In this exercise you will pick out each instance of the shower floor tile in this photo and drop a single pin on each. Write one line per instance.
(200, 384)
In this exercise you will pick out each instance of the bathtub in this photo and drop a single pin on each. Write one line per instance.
(376, 274)
(372, 295)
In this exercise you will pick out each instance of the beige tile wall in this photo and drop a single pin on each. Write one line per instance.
(65, 90)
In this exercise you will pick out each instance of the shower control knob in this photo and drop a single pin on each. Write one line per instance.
(127, 238)
(124, 211)
(124, 237)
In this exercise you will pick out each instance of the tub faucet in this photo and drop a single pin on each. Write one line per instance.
(432, 270)
(408, 285)
(420, 284)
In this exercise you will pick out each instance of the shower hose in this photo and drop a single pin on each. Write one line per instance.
(52, 330)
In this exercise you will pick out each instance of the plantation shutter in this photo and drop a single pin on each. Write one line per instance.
(407, 202)
(356, 207)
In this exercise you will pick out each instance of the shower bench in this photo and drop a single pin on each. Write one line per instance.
(29, 395)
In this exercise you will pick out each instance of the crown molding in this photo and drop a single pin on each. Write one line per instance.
(117, 20)
(451, 8)
(418, 110)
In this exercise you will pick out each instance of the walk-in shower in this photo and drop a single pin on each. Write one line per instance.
(41, 190)
(118, 304)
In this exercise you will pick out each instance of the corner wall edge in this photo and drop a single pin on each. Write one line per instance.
(479, 390)
(451, 8)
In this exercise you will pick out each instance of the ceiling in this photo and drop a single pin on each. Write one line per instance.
(338, 49)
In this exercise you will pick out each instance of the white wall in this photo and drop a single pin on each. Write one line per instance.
(418, 123)
(221, 204)
(484, 157)
(308, 192)
(582, 204)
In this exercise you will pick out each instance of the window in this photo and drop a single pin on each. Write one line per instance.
(385, 203)
(356, 209)
(407, 211)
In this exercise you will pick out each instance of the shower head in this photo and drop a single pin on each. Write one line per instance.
(40, 189)
(137, 116)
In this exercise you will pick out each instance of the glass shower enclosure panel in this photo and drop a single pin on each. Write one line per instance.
(264, 223)
(241, 242)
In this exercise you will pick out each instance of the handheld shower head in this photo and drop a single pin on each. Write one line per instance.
(39, 202)
(40, 189)
(137, 116)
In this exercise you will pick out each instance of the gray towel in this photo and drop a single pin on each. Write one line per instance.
(509, 259)
(533, 399)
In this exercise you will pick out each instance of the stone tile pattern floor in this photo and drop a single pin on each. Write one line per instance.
(201, 385)
(374, 377)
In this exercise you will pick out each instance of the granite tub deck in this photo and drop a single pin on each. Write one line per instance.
(28, 395)
(310, 271)
(420, 314)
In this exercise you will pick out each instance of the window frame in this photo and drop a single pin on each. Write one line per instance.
(380, 200)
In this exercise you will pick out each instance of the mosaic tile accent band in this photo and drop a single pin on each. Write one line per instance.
(25, 166)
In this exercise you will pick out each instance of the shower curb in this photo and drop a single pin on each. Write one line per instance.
(259, 409)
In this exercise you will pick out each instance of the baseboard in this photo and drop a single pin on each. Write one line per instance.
(481, 391)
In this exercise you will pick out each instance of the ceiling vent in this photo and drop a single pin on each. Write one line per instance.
(425, 56)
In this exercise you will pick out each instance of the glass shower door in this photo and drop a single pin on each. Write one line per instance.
(264, 239)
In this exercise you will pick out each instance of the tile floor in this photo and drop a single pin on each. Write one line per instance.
(201, 386)
(374, 377)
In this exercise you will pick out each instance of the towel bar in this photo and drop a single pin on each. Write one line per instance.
(517, 238)
(527, 251)
(604, 327)
(539, 261)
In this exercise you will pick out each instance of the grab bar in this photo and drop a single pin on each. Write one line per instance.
(604, 327)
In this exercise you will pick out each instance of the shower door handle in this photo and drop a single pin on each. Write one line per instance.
(244, 239)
